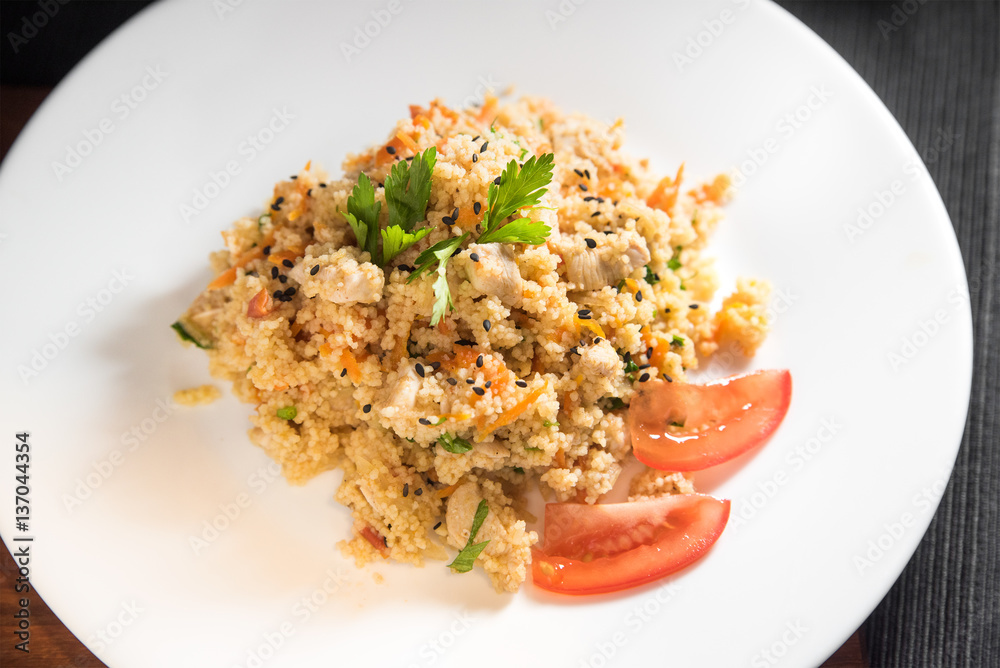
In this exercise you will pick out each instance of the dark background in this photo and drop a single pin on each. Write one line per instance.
(935, 66)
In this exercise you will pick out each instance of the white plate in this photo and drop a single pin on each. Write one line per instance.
(816, 538)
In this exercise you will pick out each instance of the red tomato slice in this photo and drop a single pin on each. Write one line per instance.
(686, 427)
(609, 547)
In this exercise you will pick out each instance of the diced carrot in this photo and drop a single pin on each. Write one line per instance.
(349, 362)
(417, 110)
(422, 121)
(295, 328)
(383, 157)
(560, 458)
(291, 254)
(261, 304)
(467, 218)
(325, 349)
(488, 110)
(582, 324)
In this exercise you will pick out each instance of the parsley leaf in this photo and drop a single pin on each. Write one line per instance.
(677, 340)
(362, 216)
(675, 263)
(467, 557)
(454, 444)
(519, 187)
(439, 253)
(287, 413)
(614, 403)
(408, 188)
(522, 231)
(395, 240)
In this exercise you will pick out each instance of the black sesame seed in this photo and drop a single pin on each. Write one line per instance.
(693, 305)
(418, 491)
(424, 421)
(367, 408)
(476, 138)
(520, 383)
(638, 295)
(436, 526)
(293, 177)
(643, 378)
(343, 372)
(589, 198)
(322, 185)
(496, 181)
(666, 310)
(465, 342)
(476, 208)
(381, 185)
(586, 173)
(575, 350)
(452, 382)
(435, 365)
(391, 150)
(279, 200)
(590, 243)
(649, 352)
(479, 361)
(289, 292)
(583, 187)
(288, 263)
(474, 257)
(282, 279)
(584, 312)
(385, 541)
(668, 378)
(278, 294)
(475, 157)
(596, 213)
(478, 390)
(314, 270)
(420, 370)
(483, 147)
(448, 220)
(486, 325)
(274, 272)
(598, 339)
(487, 384)
(469, 381)
(275, 207)
(309, 193)
(578, 173)
(644, 366)
(406, 489)
(266, 250)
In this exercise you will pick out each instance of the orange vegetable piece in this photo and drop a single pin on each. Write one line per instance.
(261, 304)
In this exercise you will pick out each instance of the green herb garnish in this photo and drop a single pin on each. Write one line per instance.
(463, 562)
(518, 469)
(532, 449)
(549, 423)
(454, 444)
(288, 412)
(407, 190)
(679, 425)
(674, 263)
(630, 365)
(439, 254)
(677, 340)
(614, 403)
(185, 336)
(519, 187)
(651, 277)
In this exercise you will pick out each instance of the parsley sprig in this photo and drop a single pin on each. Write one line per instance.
(407, 191)
(519, 186)
(467, 557)
(454, 444)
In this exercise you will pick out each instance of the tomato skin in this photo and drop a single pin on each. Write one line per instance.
(737, 414)
(635, 543)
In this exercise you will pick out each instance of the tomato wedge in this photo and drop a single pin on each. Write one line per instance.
(687, 427)
(609, 547)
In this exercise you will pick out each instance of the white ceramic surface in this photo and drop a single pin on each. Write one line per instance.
(824, 517)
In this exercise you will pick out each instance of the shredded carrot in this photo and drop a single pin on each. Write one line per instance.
(664, 197)
(416, 110)
(714, 191)
(447, 491)
(349, 362)
(228, 277)
(582, 324)
(408, 142)
(375, 539)
(513, 413)
(295, 328)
